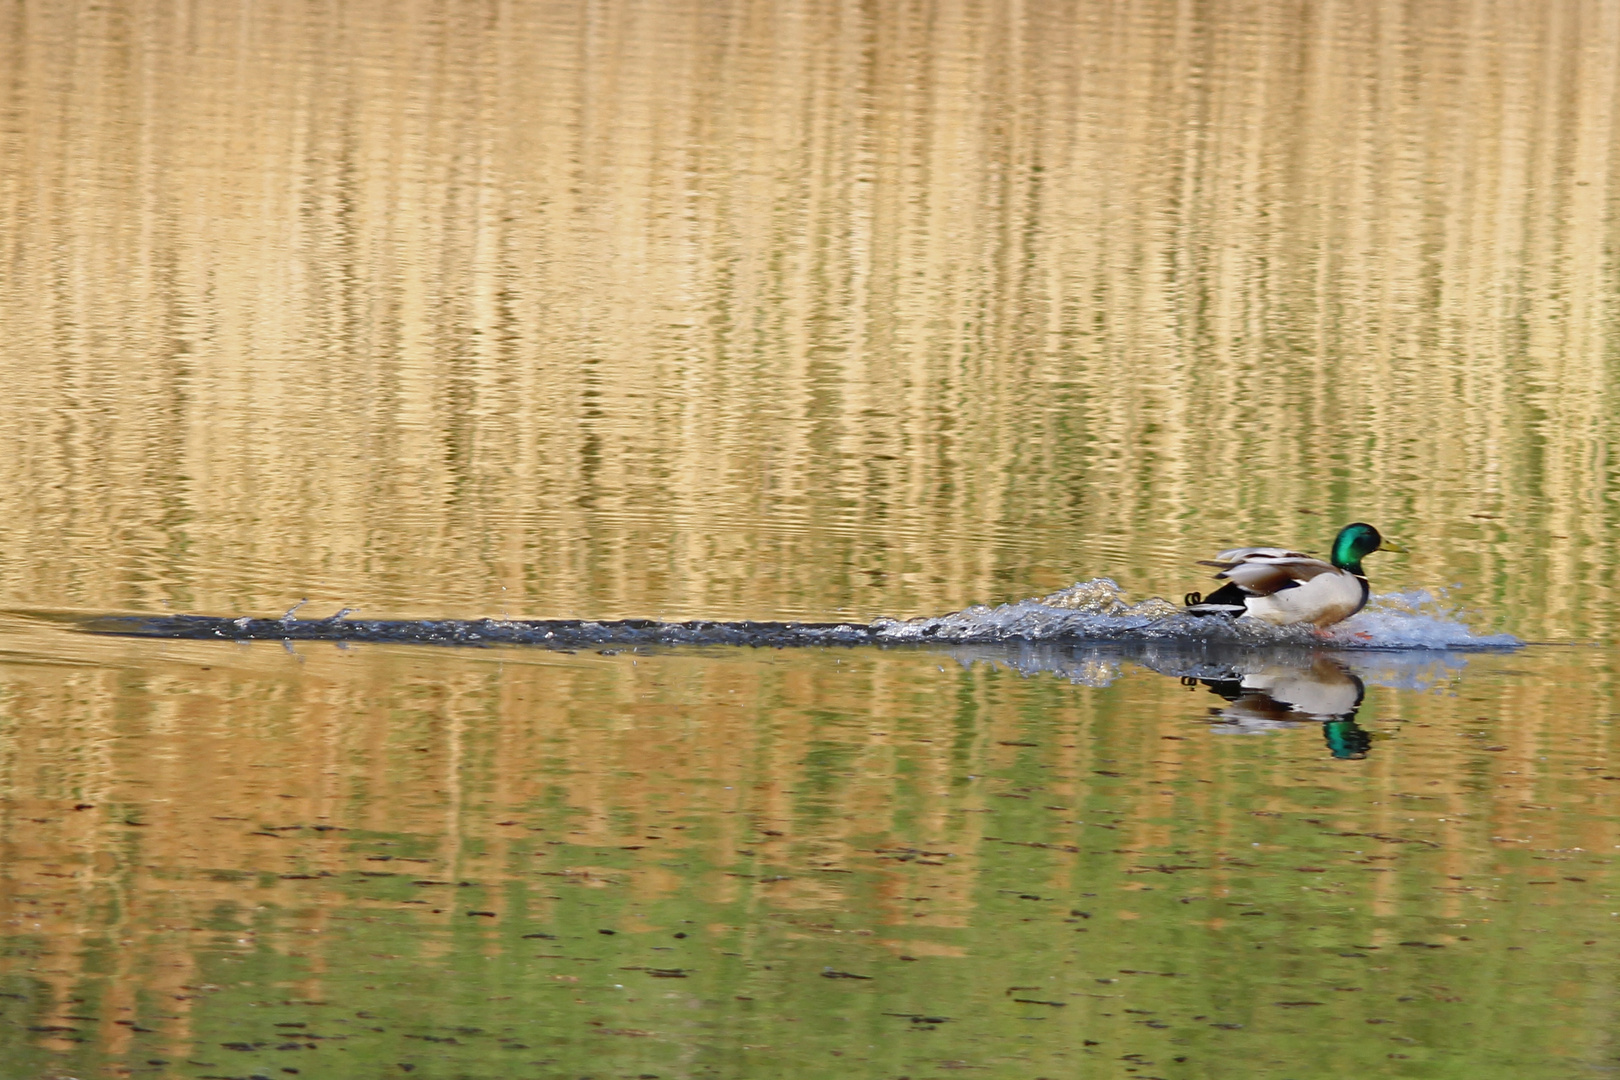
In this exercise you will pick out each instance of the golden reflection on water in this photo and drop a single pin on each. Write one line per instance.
(794, 309)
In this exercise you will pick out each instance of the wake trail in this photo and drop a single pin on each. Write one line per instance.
(1089, 612)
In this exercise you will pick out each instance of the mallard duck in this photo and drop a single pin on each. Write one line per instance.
(1279, 586)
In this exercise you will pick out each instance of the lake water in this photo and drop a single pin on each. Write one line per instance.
(826, 313)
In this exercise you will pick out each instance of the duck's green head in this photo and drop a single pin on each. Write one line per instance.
(1356, 541)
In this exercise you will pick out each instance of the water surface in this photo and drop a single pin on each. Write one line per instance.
(817, 313)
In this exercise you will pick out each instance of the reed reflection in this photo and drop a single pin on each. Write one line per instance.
(758, 324)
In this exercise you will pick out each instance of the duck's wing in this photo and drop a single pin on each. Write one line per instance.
(1237, 555)
(1263, 575)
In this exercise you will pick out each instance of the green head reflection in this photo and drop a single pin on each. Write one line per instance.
(1346, 739)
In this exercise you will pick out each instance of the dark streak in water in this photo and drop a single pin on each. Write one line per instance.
(549, 633)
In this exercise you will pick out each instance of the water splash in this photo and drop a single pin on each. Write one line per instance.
(1415, 619)
(1098, 610)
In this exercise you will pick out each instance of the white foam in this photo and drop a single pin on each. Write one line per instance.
(1416, 619)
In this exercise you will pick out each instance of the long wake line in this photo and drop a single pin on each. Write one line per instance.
(550, 633)
(1088, 612)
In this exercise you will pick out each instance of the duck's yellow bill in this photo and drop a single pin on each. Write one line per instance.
(1391, 545)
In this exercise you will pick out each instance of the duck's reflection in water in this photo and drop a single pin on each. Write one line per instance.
(1278, 697)
(1263, 690)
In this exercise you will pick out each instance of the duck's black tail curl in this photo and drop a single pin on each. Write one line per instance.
(1226, 600)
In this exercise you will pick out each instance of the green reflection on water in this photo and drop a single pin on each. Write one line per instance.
(1041, 879)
